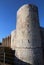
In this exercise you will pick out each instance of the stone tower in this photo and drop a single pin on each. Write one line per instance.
(28, 41)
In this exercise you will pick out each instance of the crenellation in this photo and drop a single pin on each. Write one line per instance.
(6, 42)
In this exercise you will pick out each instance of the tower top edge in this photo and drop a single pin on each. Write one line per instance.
(14, 31)
(27, 5)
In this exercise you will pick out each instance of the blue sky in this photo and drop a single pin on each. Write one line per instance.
(8, 10)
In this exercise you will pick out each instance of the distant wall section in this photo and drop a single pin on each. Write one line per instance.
(13, 39)
(6, 42)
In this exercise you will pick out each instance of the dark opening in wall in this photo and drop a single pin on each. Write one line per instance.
(28, 41)
(27, 25)
(29, 31)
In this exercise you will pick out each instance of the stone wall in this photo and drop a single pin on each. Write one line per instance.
(42, 35)
(42, 39)
(13, 39)
(6, 42)
(28, 39)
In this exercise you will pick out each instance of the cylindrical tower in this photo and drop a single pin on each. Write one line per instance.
(28, 40)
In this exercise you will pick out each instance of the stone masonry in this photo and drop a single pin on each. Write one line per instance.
(28, 39)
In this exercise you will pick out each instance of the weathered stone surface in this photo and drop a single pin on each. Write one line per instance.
(13, 39)
(28, 35)
(6, 42)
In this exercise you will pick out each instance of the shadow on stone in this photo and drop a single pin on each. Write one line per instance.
(19, 62)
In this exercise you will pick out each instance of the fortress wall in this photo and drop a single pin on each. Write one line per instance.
(42, 39)
(6, 42)
(28, 40)
(13, 39)
(42, 35)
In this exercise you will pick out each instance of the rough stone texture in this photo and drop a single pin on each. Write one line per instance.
(42, 39)
(28, 40)
(42, 36)
(6, 42)
(13, 39)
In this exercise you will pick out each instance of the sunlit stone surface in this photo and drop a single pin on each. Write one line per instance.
(28, 40)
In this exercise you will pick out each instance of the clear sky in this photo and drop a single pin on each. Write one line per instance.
(8, 10)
